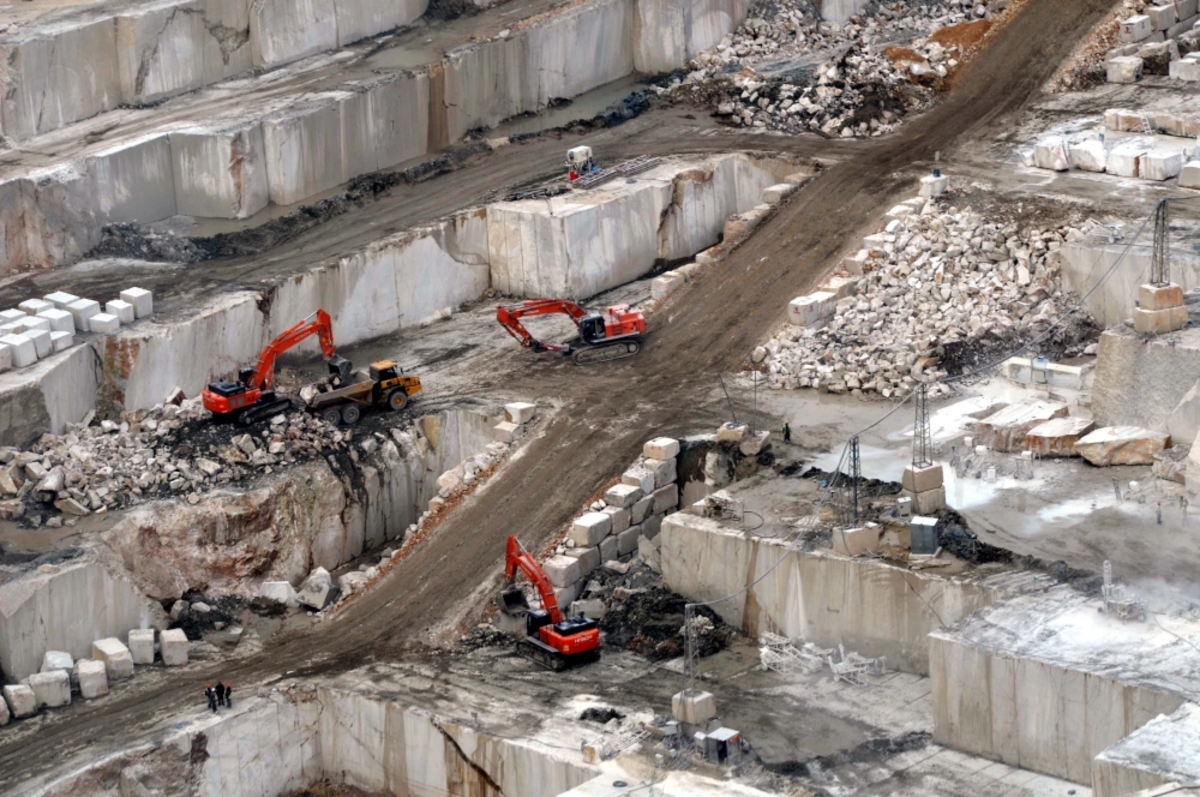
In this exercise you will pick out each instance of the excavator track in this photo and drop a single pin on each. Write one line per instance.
(606, 352)
(261, 412)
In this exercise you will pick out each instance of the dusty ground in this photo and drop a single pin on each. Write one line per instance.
(707, 329)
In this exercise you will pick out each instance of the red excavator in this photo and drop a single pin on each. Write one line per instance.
(550, 640)
(251, 398)
(610, 335)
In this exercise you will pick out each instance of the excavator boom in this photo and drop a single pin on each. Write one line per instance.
(610, 335)
(264, 370)
(517, 558)
(510, 318)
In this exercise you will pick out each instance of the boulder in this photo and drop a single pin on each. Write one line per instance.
(1057, 437)
(279, 591)
(1171, 464)
(92, 677)
(1122, 445)
(316, 591)
(352, 582)
(1006, 430)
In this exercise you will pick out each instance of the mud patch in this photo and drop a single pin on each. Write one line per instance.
(872, 751)
(650, 623)
(601, 715)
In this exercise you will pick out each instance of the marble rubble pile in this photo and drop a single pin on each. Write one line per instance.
(171, 449)
(857, 90)
(935, 276)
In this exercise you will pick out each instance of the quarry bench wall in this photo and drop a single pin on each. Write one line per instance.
(284, 149)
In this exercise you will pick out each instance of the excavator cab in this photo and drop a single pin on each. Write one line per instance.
(591, 328)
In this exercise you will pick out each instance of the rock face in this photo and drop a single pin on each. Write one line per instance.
(1057, 437)
(1006, 430)
(1122, 445)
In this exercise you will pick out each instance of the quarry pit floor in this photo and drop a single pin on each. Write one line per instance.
(704, 330)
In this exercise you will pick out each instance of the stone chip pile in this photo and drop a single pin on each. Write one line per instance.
(935, 276)
(850, 86)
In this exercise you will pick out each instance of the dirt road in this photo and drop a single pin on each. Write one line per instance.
(708, 328)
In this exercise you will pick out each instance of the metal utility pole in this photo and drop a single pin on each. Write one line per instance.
(922, 438)
(689, 648)
(850, 505)
(1160, 261)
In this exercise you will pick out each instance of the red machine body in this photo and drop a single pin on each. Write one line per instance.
(618, 330)
(550, 639)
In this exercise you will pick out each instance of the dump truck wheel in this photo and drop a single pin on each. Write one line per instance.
(397, 399)
(350, 414)
(331, 416)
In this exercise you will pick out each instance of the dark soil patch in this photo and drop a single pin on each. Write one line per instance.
(224, 609)
(871, 751)
(601, 715)
(650, 624)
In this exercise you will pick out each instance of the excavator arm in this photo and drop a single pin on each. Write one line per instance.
(511, 315)
(264, 369)
(517, 558)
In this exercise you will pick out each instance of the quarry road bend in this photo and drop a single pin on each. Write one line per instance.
(608, 412)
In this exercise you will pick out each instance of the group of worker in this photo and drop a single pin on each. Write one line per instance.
(222, 695)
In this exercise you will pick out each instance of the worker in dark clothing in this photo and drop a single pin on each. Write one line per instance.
(228, 695)
(220, 694)
(211, 694)
(787, 432)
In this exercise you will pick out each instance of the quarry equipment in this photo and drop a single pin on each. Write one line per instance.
(1118, 602)
(251, 398)
(343, 398)
(610, 335)
(579, 161)
(550, 640)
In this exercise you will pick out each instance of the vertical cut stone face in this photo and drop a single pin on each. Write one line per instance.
(286, 30)
(160, 50)
(134, 181)
(220, 172)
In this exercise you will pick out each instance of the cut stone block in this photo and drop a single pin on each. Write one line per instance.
(567, 595)
(1135, 29)
(61, 341)
(622, 496)
(1125, 69)
(664, 470)
(24, 353)
(666, 499)
(813, 311)
(141, 299)
(1186, 9)
(933, 185)
(588, 558)
(753, 443)
(1162, 17)
(661, 448)
(1159, 322)
(773, 195)
(640, 478)
(852, 542)
(83, 310)
(593, 609)
(118, 661)
(651, 553)
(1161, 166)
(1159, 297)
(35, 306)
(652, 525)
(12, 316)
(57, 660)
(317, 589)
(174, 647)
(5, 357)
(665, 284)
(51, 689)
(1189, 175)
(122, 310)
(627, 540)
(519, 412)
(1089, 156)
(1122, 445)
(281, 591)
(1185, 69)
(15, 328)
(590, 529)
(731, 432)
(5, 714)
(1006, 429)
(620, 517)
(36, 323)
(608, 549)
(92, 677)
(21, 700)
(929, 502)
(921, 479)
(695, 708)
(141, 645)
(640, 510)
(104, 324)
(562, 570)
(61, 300)
(1057, 437)
(42, 345)
(60, 320)
(1051, 153)
(505, 432)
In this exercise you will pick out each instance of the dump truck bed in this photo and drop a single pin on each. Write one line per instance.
(359, 392)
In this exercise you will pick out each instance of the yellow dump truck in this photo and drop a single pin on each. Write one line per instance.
(342, 398)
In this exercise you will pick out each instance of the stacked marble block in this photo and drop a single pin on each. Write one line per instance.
(628, 518)
(925, 488)
(516, 415)
(111, 660)
(38, 328)
(1160, 309)
(1145, 38)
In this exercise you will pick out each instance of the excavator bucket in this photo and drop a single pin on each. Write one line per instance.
(512, 602)
(340, 366)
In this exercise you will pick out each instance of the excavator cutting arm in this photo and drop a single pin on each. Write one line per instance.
(264, 369)
(516, 557)
(510, 318)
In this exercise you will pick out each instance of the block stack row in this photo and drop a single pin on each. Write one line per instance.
(38, 328)
(61, 676)
(614, 529)
(1149, 43)
(1142, 157)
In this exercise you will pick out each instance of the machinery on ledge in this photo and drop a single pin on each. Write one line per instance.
(550, 640)
(579, 162)
(611, 335)
(251, 398)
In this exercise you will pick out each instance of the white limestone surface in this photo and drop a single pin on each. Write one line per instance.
(134, 181)
(304, 146)
(1046, 682)
(220, 171)
(286, 30)
(160, 49)
(66, 610)
(1162, 751)
(47, 395)
(869, 606)
(669, 33)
